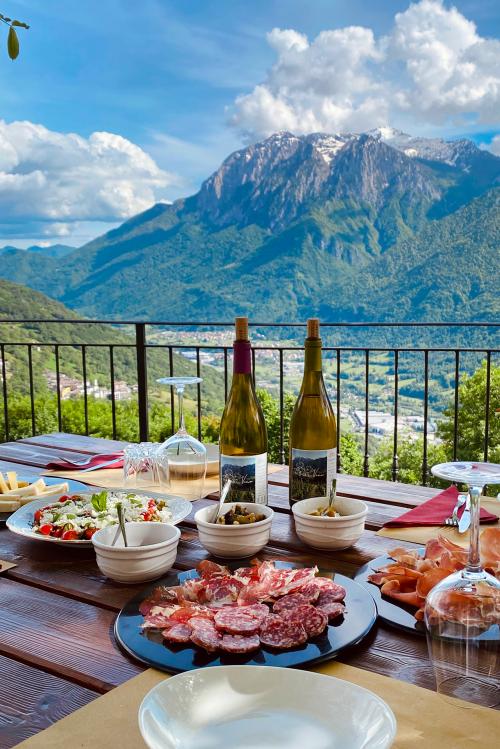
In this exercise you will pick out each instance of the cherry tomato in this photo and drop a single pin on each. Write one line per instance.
(64, 498)
(147, 516)
(151, 503)
(69, 535)
(89, 532)
(46, 529)
(37, 516)
(57, 532)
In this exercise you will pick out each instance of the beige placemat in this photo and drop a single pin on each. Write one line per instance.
(422, 534)
(4, 566)
(425, 719)
(112, 478)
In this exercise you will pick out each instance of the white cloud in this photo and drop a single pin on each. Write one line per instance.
(432, 68)
(50, 181)
(493, 145)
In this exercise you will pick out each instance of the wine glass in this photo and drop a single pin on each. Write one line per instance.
(187, 457)
(462, 612)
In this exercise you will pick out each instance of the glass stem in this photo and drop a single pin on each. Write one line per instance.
(180, 397)
(474, 562)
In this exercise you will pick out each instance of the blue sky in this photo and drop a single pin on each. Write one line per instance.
(178, 81)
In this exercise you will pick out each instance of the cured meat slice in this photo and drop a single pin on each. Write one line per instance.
(233, 620)
(332, 610)
(281, 634)
(193, 589)
(204, 634)
(246, 575)
(221, 590)
(392, 589)
(334, 593)
(290, 602)
(310, 590)
(159, 616)
(314, 620)
(178, 632)
(207, 569)
(240, 643)
(161, 596)
(186, 612)
(257, 610)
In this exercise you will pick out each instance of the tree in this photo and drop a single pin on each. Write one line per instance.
(12, 38)
(351, 458)
(472, 417)
(410, 455)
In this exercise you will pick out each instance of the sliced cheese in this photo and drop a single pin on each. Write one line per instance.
(26, 500)
(32, 490)
(9, 505)
(12, 478)
(54, 489)
(22, 484)
(3, 486)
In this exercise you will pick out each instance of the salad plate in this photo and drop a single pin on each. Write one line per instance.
(24, 523)
(74, 486)
(246, 707)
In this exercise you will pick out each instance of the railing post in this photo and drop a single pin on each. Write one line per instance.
(142, 380)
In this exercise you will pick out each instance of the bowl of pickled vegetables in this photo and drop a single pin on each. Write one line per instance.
(242, 529)
(340, 526)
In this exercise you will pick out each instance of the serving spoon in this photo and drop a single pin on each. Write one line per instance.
(121, 521)
(332, 497)
(222, 499)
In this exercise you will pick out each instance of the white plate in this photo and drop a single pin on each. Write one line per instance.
(21, 521)
(259, 707)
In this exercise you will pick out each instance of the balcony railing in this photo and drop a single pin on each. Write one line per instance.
(340, 355)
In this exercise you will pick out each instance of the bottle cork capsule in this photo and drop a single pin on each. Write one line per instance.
(241, 328)
(313, 327)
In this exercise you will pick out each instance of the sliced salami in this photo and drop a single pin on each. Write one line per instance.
(240, 643)
(313, 620)
(231, 619)
(310, 591)
(331, 595)
(290, 602)
(332, 610)
(178, 633)
(204, 634)
(281, 634)
(257, 610)
(327, 586)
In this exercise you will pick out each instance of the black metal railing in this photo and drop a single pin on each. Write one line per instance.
(134, 338)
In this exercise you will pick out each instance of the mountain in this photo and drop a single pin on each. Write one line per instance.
(55, 250)
(350, 226)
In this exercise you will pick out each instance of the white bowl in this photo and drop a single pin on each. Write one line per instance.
(151, 551)
(330, 533)
(234, 541)
(260, 706)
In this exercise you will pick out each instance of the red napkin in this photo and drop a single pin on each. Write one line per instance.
(434, 511)
(97, 460)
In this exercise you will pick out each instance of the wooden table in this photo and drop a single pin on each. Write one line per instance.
(57, 650)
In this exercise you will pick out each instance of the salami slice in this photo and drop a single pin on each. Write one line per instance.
(281, 634)
(257, 610)
(310, 591)
(290, 602)
(326, 585)
(313, 620)
(240, 643)
(231, 619)
(178, 633)
(204, 634)
(334, 593)
(332, 609)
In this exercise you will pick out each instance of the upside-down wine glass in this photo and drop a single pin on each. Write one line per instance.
(462, 612)
(187, 457)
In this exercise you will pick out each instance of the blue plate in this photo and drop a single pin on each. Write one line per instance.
(150, 648)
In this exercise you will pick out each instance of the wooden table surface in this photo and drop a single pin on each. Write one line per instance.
(57, 650)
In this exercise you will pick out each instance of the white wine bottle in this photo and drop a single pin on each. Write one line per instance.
(243, 433)
(313, 430)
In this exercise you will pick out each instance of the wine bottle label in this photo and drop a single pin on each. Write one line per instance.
(248, 475)
(311, 473)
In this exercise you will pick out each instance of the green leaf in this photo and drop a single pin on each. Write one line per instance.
(12, 44)
(99, 501)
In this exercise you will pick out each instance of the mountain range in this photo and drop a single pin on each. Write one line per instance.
(53, 250)
(352, 227)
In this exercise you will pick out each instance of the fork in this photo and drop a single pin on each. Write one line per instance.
(453, 519)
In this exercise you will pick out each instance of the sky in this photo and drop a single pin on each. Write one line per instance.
(115, 105)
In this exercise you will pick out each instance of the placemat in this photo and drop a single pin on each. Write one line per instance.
(425, 719)
(422, 534)
(112, 478)
(4, 566)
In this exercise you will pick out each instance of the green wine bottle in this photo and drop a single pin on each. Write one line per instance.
(243, 433)
(313, 430)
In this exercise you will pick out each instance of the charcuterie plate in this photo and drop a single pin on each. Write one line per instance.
(390, 611)
(150, 648)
